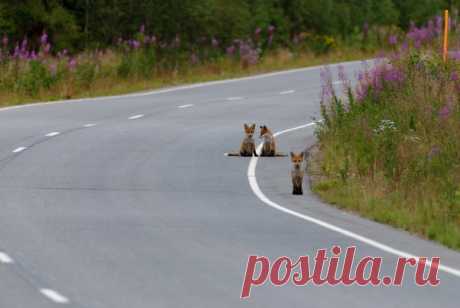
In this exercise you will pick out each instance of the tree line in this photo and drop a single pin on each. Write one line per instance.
(79, 24)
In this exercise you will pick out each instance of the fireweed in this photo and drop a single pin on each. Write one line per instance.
(30, 66)
(390, 147)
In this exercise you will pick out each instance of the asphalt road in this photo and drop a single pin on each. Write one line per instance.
(130, 202)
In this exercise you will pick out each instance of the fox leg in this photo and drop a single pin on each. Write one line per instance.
(255, 153)
(297, 190)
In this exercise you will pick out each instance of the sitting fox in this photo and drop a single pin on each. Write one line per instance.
(248, 145)
(269, 146)
(297, 173)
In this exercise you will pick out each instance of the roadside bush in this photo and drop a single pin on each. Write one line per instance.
(396, 137)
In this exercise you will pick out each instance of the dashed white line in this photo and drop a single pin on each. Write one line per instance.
(54, 296)
(52, 134)
(251, 173)
(185, 106)
(6, 259)
(20, 149)
(287, 92)
(137, 116)
(89, 125)
(235, 98)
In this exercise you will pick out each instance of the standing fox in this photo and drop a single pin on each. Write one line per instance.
(297, 173)
(269, 146)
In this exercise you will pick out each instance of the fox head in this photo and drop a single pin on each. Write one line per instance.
(297, 159)
(263, 130)
(249, 130)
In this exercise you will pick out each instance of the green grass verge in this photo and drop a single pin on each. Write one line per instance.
(111, 84)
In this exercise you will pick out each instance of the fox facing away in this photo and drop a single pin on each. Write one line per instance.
(269, 146)
(297, 173)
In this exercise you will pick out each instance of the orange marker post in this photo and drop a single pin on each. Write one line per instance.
(446, 35)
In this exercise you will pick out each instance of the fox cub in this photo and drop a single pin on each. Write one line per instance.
(269, 146)
(297, 173)
(248, 145)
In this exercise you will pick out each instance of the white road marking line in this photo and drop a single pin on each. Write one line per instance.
(256, 190)
(287, 92)
(20, 149)
(182, 88)
(54, 296)
(185, 106)
(52, 134)
(135, 117)
(236, 98)
(89, 125)
(6, 259)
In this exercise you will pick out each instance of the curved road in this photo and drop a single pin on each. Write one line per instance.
(129, 202)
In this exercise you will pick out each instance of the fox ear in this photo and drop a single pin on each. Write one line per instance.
(292, 155)
(253, 126)
(302, 154)
(245, 126)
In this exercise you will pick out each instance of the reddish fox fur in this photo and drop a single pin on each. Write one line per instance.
(269, 145)
(297, 173)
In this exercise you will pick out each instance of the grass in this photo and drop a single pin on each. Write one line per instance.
(389, 149)
(112, 84)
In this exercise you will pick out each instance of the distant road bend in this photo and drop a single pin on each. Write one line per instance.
(129, 202)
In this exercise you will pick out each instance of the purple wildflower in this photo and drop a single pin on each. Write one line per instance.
(343, 78)
(52, 69)
(438, 24)
(445, 111)
(142, 28)
(327, 89)
(230, 50)
(16, 51)
(5, 40)
(434, 151)
(194, 59)
(214, 42)
(33, 55)
(47, 48)
(271, 29)
(454, 76)
(44, 38)
(455, 55)
(135, 44)
(392, 40)
(72, 64)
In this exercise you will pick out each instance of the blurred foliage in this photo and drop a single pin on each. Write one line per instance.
(75, 24)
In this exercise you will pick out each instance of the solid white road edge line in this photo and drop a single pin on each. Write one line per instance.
(52, 134)
(135, 117)
(287, 92)
(89, 125)
(256, 189)
(6, 259)
(20, 149)
(54, 296)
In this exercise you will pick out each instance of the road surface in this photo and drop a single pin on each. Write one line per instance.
(130, 202)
